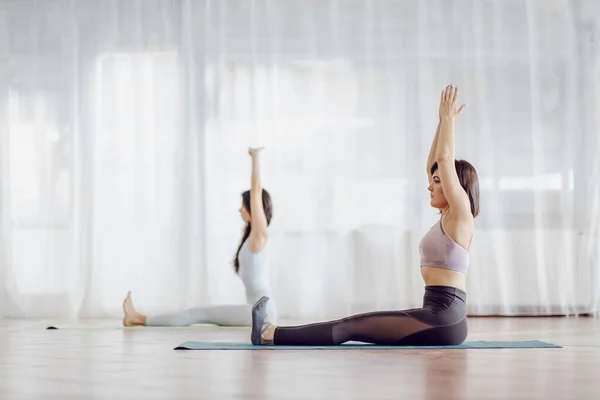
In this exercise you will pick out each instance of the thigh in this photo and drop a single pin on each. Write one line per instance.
(385, 327)
(443, 335)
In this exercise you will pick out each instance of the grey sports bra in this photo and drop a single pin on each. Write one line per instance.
(438, 250)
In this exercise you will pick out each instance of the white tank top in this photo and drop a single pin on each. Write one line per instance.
(253, 272)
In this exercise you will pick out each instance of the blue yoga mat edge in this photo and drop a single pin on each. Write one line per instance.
(120, 327)
(527, 344)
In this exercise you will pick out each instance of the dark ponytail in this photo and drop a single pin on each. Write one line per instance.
(267, 207)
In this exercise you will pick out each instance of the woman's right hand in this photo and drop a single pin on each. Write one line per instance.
(448, 101)
(255, 151)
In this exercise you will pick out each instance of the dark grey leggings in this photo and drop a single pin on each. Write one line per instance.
(441, 321)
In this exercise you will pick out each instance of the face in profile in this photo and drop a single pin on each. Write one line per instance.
(245, 214)
(436, 193)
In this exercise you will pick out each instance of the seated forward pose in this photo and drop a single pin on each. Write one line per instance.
(249, 263)
(444, 250)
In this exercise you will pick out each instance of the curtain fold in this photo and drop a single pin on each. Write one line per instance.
(126, 124)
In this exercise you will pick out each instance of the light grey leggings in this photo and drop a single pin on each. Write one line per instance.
(225, 315)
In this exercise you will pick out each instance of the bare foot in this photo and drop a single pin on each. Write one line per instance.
(132, 317)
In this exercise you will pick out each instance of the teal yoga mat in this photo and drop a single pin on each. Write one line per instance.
(117, 327)
(481, 344)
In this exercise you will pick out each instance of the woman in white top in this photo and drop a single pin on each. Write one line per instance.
(249, 263)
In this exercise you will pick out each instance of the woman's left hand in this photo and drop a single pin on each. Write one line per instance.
(448, 102)
(255, 151)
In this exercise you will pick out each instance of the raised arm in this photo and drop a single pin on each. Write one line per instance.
(258, 233)
(433, 151)
(458, 199)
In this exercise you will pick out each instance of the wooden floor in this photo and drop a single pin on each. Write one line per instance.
(139, 363)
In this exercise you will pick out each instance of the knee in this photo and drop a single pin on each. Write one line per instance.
(459, 332)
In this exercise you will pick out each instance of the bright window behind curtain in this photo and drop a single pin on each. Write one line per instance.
(136, 175)
(126, 124)
(39, 186)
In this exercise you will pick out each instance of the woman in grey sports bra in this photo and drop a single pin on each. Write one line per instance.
(250, 264)
(444, 249)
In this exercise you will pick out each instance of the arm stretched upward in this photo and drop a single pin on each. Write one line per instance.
(458, 200)
(433, 151)
(258, 233)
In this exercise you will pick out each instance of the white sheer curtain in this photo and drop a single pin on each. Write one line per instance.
(125, 127)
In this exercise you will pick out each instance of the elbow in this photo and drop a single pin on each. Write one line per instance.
(443, 158)
(255, 187)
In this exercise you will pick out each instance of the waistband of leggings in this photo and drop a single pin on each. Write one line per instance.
(446, 291)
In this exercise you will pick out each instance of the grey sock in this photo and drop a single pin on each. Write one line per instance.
(259, 313)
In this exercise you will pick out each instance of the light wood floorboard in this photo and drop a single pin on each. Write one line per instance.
(141, 364)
